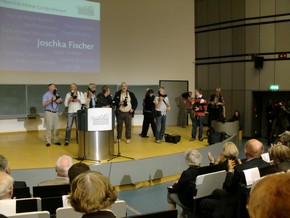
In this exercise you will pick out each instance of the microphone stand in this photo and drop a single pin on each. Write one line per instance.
(119, 154)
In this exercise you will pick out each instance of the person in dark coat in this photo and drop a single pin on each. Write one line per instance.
(181, 192)
(126, 104)
(148, 112)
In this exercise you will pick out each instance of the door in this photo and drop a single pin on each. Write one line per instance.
(174, 89)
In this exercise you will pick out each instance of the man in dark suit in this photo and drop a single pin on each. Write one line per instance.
(253, 151)
(225, 204)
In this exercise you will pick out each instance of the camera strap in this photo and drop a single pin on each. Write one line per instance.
(165, 102)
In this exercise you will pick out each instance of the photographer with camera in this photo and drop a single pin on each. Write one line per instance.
(187, 99)
(126, 104)
(73, 100)
(51, 101)
(199, 107)
(161, 106)
(104, 98)
(90, 95)
(216, 107)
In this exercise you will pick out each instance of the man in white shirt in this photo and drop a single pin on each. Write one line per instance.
(161, 104)
(73, 100)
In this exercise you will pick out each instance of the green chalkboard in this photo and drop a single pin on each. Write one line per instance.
(24, 100)
(13, 100)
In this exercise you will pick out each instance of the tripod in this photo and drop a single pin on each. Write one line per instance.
(119, 154)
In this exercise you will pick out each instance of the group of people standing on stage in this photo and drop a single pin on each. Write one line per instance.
(124, 103)
(74, 100)
(196, 106)
(155, 109)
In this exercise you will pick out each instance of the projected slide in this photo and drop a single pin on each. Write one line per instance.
(50, 36)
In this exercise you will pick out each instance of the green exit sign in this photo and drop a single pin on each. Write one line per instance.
(274, 87)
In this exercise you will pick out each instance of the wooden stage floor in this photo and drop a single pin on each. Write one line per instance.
(27, 150)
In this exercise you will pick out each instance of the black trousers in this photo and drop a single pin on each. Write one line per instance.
(148, 119)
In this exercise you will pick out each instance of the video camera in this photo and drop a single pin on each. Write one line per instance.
(185, 95)
(160, 95)
(125, 103)
(55, 94)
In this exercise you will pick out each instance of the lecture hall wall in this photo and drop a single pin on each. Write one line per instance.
(142, 42)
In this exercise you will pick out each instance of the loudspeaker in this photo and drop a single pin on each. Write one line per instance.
(259, 62)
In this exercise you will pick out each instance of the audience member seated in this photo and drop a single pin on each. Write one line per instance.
(283, 139)
(6, 186)
(230, 152)
(181, 192)
(92, 194)
(4, 167)
(63, 164)
(235, 117)
(77, 169)
(280, 154)
(269, 198)
(228, 200)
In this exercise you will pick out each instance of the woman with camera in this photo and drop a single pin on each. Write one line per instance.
(148, 112)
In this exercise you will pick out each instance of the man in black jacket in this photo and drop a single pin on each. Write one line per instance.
(126, 104)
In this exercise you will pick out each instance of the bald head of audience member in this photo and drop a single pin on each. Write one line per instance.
(77, 169)
(6, 186)
(269, 198)
(63, 164)
(253, 149)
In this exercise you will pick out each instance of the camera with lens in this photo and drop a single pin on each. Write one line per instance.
(55, 94)
(90, 90)
(160, 95)
(231, 157)
(125, 102)
(185, 95)
(73, 95)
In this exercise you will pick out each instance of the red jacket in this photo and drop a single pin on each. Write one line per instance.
(200, 106)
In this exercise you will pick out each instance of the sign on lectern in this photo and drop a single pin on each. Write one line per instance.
(100, 119)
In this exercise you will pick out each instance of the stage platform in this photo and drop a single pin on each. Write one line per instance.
(27, 150)
(33, 162)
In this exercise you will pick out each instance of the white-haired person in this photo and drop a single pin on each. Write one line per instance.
(6, 186)
(62, 166)
(181, 192)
